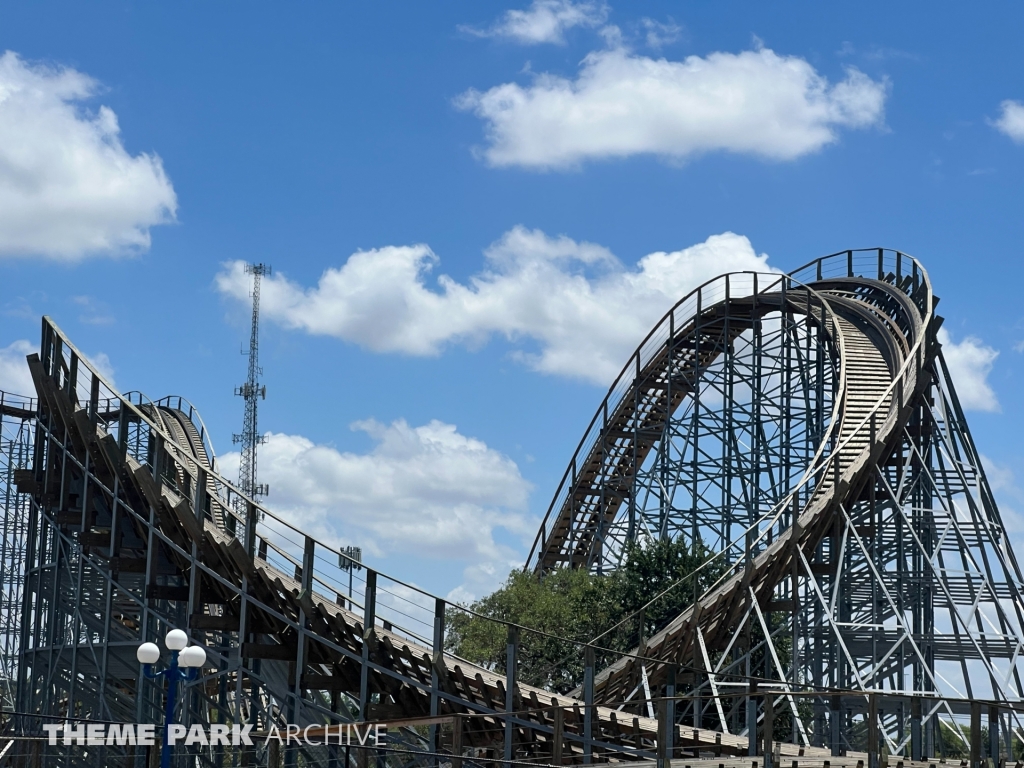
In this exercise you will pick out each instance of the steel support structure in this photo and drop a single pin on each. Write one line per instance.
(800, 432)
(17, 414)
(804, 433)
(132, 531)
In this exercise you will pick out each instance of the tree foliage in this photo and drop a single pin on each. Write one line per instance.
(573, 607)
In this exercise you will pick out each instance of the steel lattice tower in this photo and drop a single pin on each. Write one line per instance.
(252, 391)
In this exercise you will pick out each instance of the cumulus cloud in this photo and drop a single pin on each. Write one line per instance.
(68, 187)
(1011, 120)
(621, 104)
(659, 33)
(426, 490)
(14, 376)
(970, 362)
(584, 309)
(545, 21)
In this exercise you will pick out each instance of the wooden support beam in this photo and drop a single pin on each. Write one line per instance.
(128, 564)
(511, 662)
(663, 759)
(588, 705)
(436, 665)
(273, 651)
(558, 726)
(975, 734)
(225, 623)
(457, 742)
(369, 611)
(874, 754)
(162, 592)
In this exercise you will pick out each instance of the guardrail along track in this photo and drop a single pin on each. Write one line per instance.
(802, 427)
(804, 430)
(135, 532)
(870, 358)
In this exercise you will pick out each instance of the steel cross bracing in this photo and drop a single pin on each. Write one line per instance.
(805, 430)
(132, 531)
(17, 413)
(802, 428)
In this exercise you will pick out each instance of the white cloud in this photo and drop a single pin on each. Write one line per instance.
(660, 33)
(1000, 476)
(545, 21)
(68, 187)
(1003, 482)
(94, 311)
(754, 102)
(1011, 121)
(970, 362)
(426, 490)
(14, 376)
(583, 308)
(101, 362)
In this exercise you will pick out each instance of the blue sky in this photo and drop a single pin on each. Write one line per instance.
(502, 170)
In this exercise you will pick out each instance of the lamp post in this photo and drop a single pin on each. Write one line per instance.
(185, 661)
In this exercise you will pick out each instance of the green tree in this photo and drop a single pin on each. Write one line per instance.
(568, 605)
(574, 606)
(650, 570)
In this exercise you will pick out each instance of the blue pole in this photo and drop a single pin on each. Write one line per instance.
(173, 674)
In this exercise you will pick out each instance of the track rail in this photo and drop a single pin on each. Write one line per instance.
(243, 578)
(878, 330)
(179, 545)
(868, 377)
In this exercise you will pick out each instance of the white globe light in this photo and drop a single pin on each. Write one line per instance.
(176, 640)
(148, 653)
(193, 656)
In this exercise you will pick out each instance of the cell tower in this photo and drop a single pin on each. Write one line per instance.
(251, 392)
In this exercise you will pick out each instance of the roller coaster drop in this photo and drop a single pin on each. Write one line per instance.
(802, 428)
